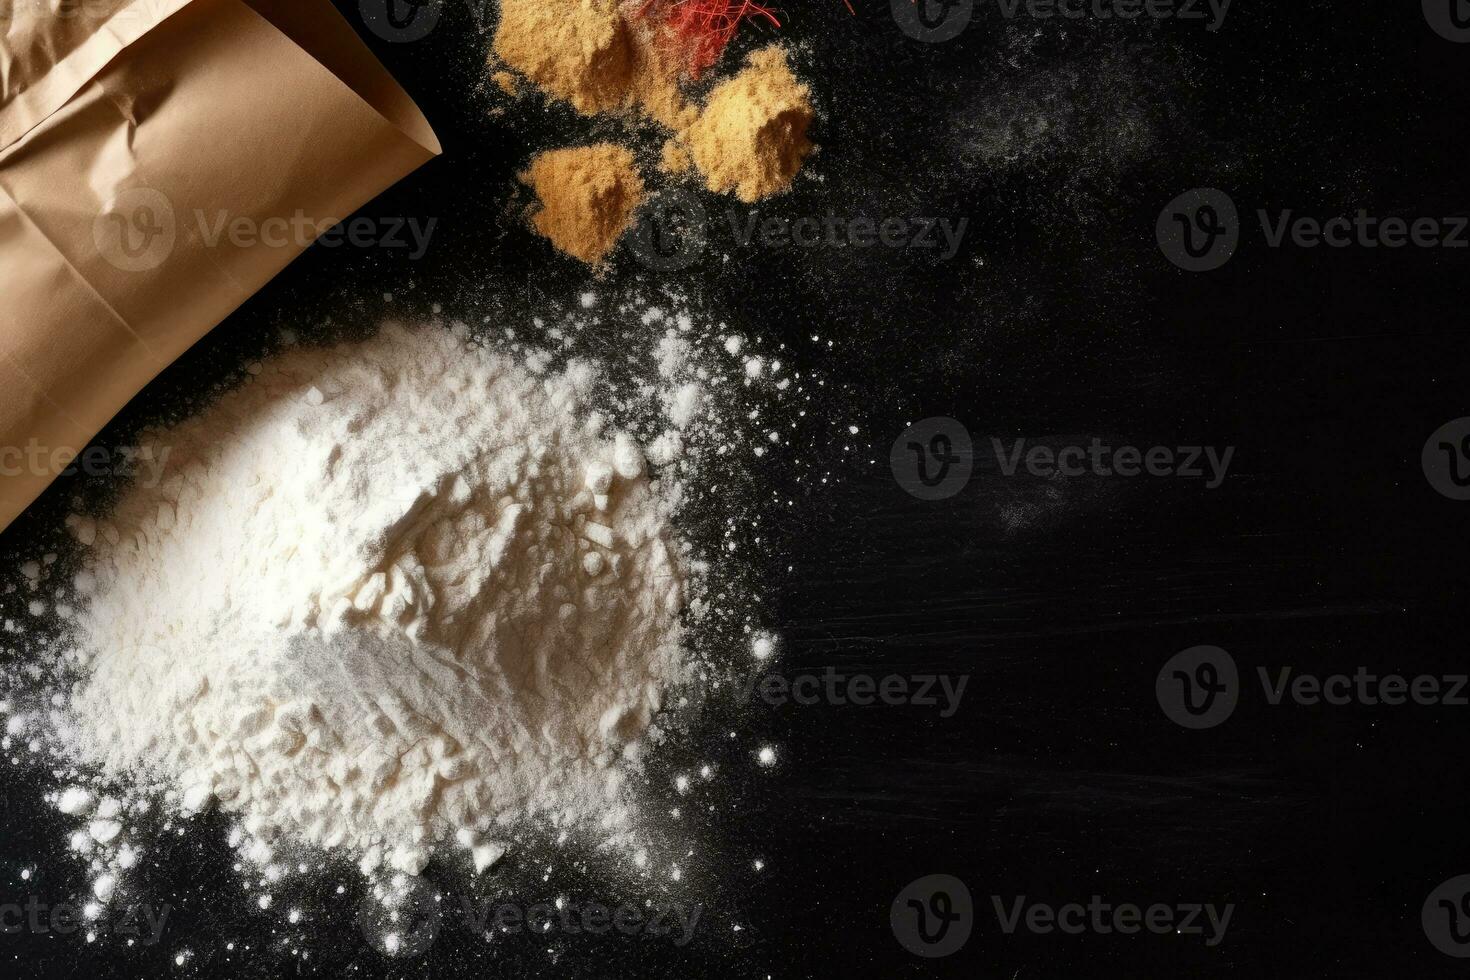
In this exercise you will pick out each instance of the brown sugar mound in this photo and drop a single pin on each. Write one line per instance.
(750, 140)
(591, 54)
(587, 194)
(576, 50)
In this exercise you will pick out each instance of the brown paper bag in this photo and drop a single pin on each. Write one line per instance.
(121, 121)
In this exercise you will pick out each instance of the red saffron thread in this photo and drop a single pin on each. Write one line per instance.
(704, 28)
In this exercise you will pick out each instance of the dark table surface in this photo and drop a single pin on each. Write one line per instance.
(1058, 320)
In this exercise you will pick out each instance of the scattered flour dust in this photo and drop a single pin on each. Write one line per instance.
(409, 598)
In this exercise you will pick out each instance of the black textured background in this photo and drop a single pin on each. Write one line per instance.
(1059, 778)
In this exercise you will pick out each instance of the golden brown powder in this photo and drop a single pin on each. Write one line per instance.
(576, 50)
(751, 140)
(591, 54)
(587, 195)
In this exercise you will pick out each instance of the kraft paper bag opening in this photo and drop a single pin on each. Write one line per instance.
(137, 137)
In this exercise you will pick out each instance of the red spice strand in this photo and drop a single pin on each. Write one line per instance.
(704, 28)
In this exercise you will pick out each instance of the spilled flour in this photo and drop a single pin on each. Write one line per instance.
(445, 606)
(393, 595)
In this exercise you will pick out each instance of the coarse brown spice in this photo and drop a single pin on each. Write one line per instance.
(587, 197)
(588, 53)
(751, 138)
(603, 57)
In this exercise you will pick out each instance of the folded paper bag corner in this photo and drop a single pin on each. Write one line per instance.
(106, 283)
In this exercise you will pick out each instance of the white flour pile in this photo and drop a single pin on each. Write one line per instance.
(417, 601)
(388, 597)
